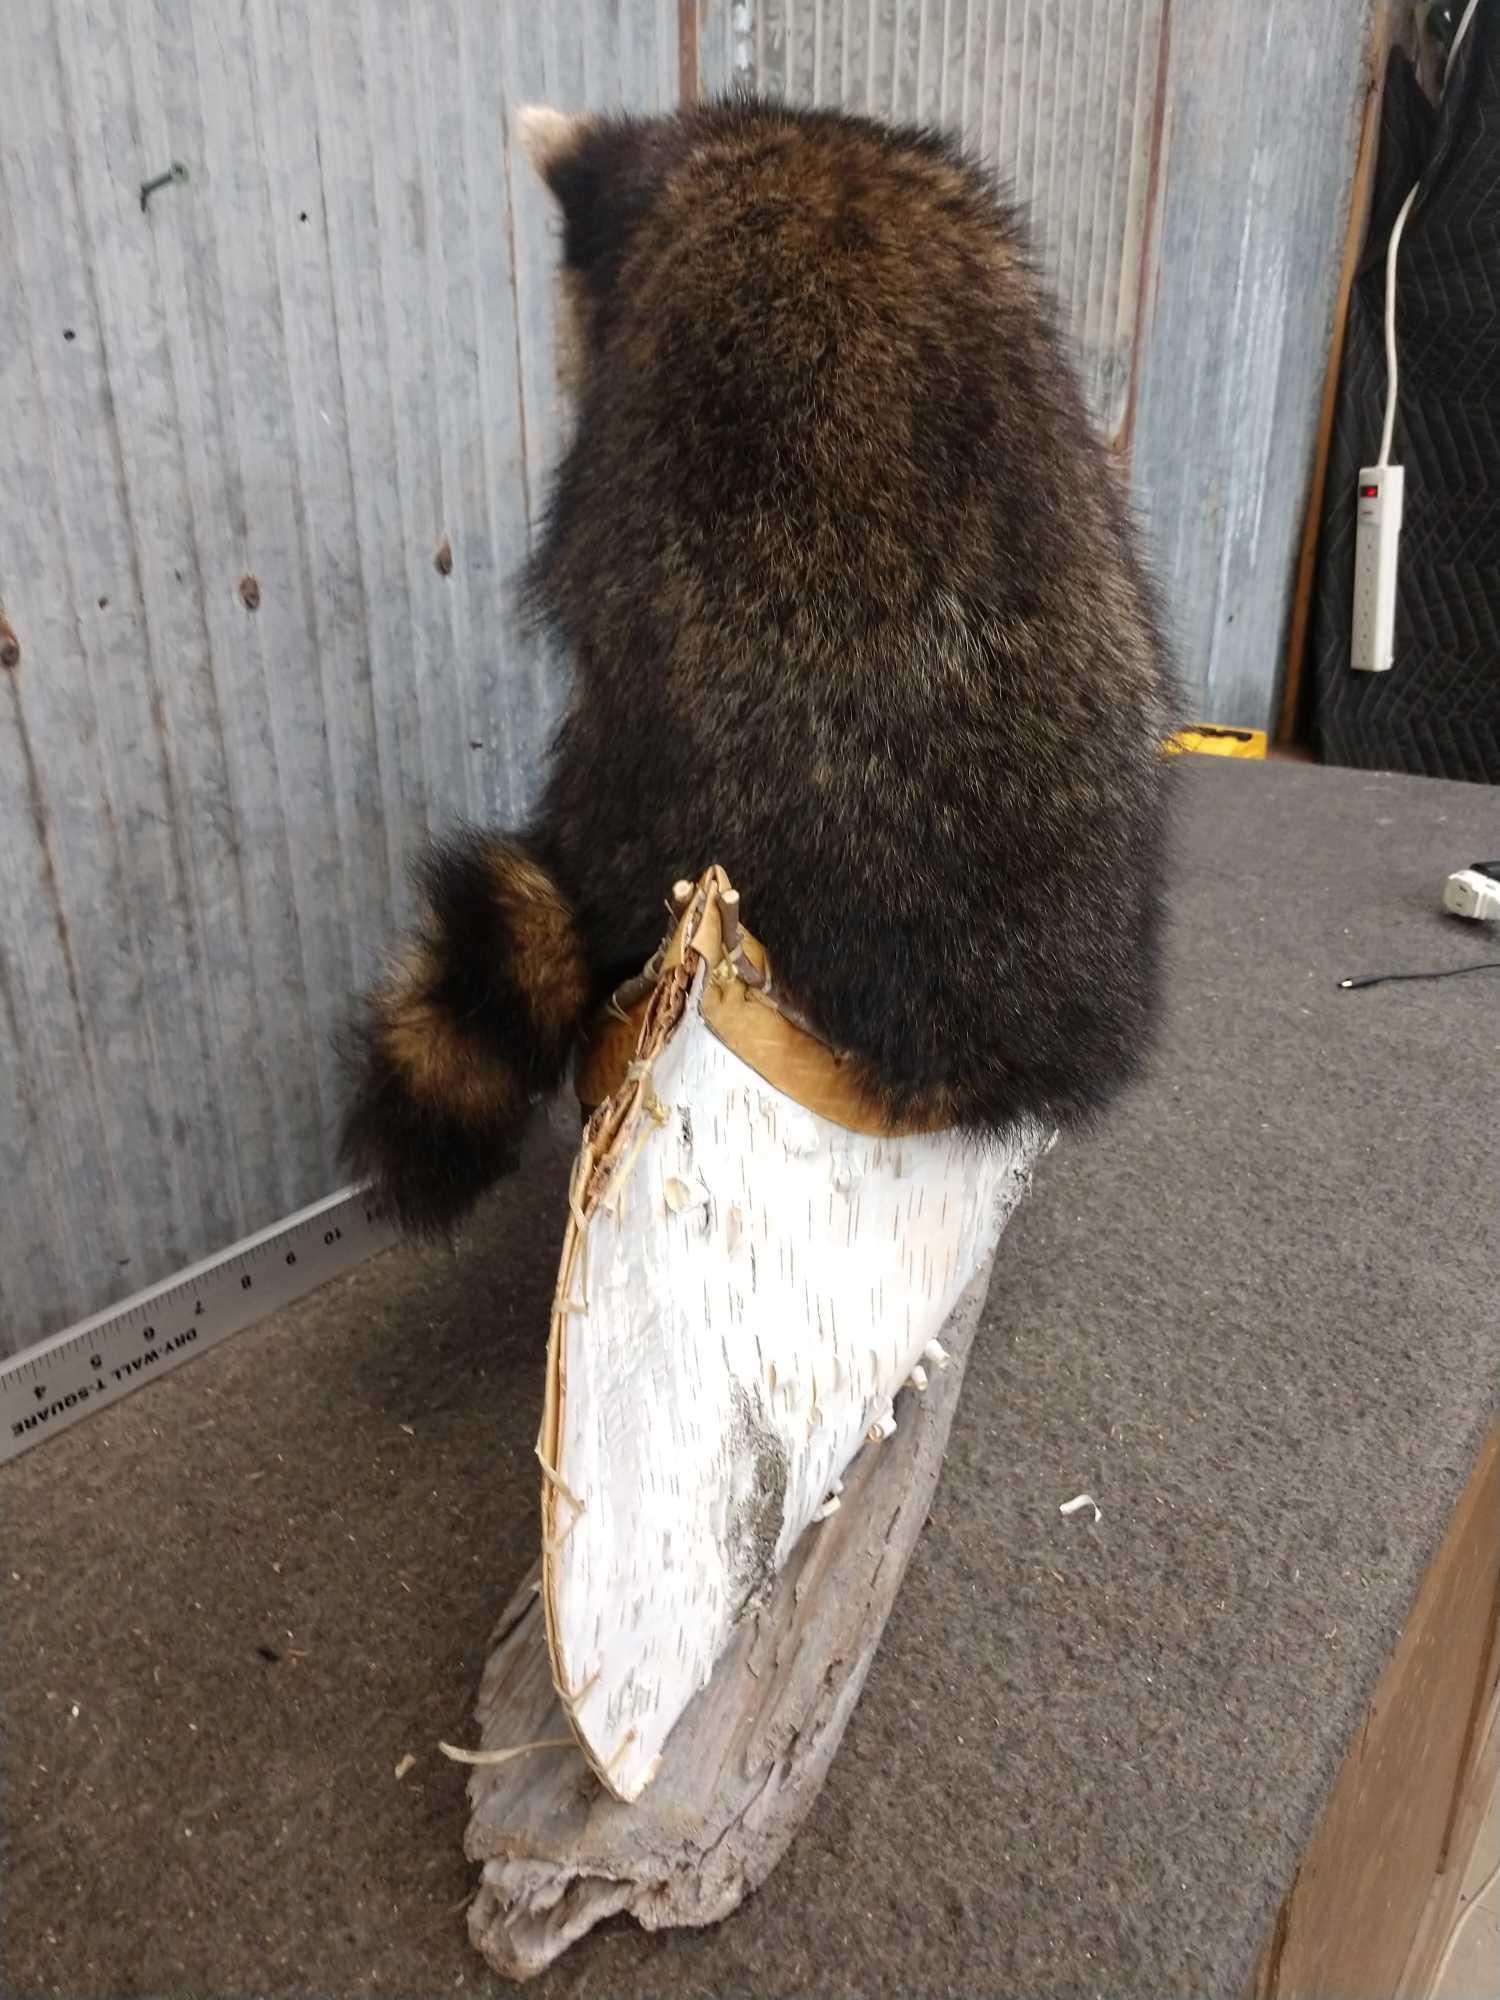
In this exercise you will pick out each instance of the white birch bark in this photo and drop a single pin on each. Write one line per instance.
(751, 1288)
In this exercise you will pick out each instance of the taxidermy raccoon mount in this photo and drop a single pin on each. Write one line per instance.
(853, 609)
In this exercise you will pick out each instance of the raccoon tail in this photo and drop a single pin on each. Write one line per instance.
(473, 1024)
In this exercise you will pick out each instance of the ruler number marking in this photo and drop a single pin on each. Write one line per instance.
(112, 1366)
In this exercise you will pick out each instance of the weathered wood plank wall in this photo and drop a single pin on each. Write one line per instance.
(1262, 126)
(314, 362)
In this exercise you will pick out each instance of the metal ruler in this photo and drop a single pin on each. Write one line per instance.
(93, 1364)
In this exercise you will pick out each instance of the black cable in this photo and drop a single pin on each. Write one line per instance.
(1448, 972)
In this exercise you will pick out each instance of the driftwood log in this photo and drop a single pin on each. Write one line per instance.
(749, 1756)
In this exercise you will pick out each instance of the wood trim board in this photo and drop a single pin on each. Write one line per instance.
(1362, 1907)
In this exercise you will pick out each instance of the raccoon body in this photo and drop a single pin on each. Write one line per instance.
(853, 607)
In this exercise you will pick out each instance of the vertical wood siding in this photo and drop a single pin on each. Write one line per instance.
(1263, 111)
(314, 362)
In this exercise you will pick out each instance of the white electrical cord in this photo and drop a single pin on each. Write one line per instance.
(1459, 34)
(1388, 429)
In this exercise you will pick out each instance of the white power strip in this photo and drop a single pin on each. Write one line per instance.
(93, 1364)
(1377, 547)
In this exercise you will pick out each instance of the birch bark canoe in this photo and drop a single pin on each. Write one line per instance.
(749, 1277)
(746, 1283)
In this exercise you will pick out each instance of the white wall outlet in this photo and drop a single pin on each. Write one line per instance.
(1377, 543)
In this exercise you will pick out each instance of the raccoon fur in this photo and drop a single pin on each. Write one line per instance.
(853, 608)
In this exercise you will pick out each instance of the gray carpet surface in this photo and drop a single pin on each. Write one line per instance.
(1255, 1316)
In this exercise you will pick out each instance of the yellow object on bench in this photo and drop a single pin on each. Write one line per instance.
(1211, 741)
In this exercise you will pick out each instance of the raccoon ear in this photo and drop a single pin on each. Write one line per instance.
(549, 137)
(603, 173)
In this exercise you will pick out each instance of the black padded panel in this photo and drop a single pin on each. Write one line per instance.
(1438, 709)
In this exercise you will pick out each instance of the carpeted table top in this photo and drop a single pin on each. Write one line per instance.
(1256, 1316)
